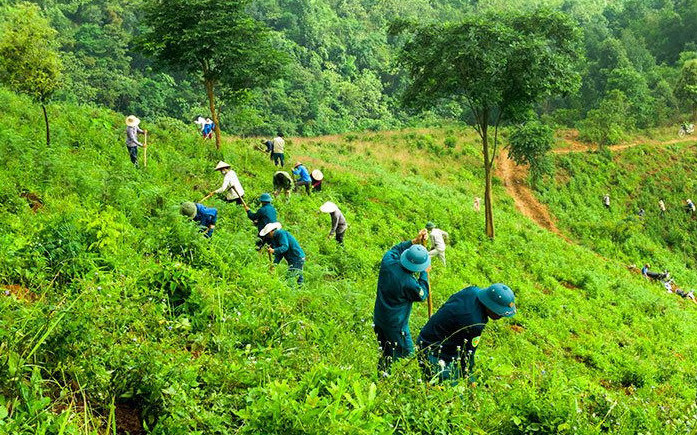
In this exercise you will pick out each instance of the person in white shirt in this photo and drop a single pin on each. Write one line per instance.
(606, 201)
(438, 238)
(662, 206)
(278, 150)
(231, 185)
(201, 123)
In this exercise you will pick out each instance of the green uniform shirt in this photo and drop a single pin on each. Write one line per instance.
(285, 246)
(457, 324)
(397, 290)
(265, 215)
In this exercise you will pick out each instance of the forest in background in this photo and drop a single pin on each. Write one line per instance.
(342, 74)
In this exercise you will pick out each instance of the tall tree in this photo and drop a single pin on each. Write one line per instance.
(30, 63)
(497, 64)
(215, 39)
(686, 88)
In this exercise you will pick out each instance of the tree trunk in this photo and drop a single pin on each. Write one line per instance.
(488, 163)
(48, 130)
(214, 114)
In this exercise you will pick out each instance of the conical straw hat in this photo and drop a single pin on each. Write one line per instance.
(317, 175)
(328, 207)
(132, 121)
(221, 165)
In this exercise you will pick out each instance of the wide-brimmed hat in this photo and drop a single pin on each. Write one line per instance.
(328, 207)
(269, 227)
(221, 165)
(265, 197)
(415, 259)
(188, 209)
(297, 164)
(499, 299)
(283, 174)
(132, 121)
(317, 175)
(430, 225)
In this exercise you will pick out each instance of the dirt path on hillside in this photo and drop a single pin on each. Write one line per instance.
(514, 177)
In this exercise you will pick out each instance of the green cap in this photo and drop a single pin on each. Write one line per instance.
(430, 225)
(499, 299)
(188, 209)
(415, 259)
(265, 197)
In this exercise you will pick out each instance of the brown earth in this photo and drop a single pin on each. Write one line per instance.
(33, 199)
(21, 293)
(514, 180)
(128, 420)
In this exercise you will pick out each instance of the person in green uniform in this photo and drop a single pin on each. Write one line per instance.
(449, 339)
(264, 216)
(283, 245)
(403, 280)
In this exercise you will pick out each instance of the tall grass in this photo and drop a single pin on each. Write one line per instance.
(593, 348)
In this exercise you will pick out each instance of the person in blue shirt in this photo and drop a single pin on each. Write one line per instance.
(283, 245)
(403, 280)
(305, 179)
(208, 128)
(449, 339)
(648, 274)
(264, 216)
(206, 217)
(269, 148)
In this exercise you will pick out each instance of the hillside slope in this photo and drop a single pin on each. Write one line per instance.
(95, 261)
(636, 177)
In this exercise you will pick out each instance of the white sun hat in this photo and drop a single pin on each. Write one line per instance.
(132, 121)
(270, 227)
(221, 165)
(328, 207)
(317, 175)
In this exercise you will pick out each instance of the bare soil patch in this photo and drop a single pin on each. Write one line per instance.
(21, 293)
(514, 180)
(128, 420)
(33, 200)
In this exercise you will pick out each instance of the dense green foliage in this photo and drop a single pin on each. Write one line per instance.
(686, 88)
(342, 75)
(529, 144)
(30, 62)
(114, 299)
(225, 49)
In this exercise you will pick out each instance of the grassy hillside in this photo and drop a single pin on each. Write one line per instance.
(94, 337)
(636, 178)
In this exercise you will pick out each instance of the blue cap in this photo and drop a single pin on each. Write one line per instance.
(265, 197)
(415, 259)
(499, 299)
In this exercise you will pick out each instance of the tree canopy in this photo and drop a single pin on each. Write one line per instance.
(30, 59)
(686, 88)
(499, 65)
(341, 74)
(216, 40)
